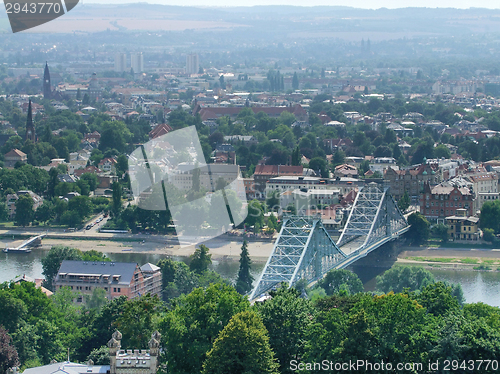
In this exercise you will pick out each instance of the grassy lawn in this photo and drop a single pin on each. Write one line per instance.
(450, 260)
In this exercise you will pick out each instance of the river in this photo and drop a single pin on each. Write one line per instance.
(477, 286)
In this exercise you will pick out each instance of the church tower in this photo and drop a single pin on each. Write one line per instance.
(30, 128)
(47, 91)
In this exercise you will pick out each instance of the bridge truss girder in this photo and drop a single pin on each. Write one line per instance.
(374, 216)
(303, 250)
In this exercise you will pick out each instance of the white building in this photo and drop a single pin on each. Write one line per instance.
(192, 64)
(137, 62)
(120, 62)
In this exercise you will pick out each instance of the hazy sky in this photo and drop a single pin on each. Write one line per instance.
(371, 4)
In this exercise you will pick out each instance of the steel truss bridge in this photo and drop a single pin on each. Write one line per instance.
(305, 250)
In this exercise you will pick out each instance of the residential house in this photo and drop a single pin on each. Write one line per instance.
(224, 154)
(463, 227)
(108, 165)
(346, 170)
(159, 130)
(14, 156)
(12, 199)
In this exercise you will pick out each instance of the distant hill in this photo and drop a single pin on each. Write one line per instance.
(280, 21)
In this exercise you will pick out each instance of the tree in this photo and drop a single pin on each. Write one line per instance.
(52, 262)
(404, 202)
(440, 231)
(287, 318)
(296, 157)
(139, 320)
(490, 216)
(99, 356)
(438, 299)
(337, 280)
(419, 230)
(13, 311)
(398, 278)
(441, 151)
(45, 212)
(319, 164)
(200, 259)
(91, 179)
(338, 158)
(192, 325)
(53, 181)
(489, 235)
(8, 353)
(24, 210)
(117, 198)
(114, 135)
(80, 205)
(241, 347)
(245, 279)
(97, 299)
(273, 201)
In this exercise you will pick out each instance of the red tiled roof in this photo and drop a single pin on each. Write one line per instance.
(160, 130)
(89, 169)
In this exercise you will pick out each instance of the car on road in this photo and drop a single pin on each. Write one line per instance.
(88, 227)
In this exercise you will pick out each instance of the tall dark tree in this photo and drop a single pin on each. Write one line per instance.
(117, 198)
(296, 156)
(24, 210)
(404, 202)
(245, 279)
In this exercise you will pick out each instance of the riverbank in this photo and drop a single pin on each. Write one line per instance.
(219, 248)
(451, 258)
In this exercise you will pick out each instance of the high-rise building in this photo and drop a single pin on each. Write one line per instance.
(30, 127)
(192, 64)
(137, 62)
(46, 83)
(120, 62)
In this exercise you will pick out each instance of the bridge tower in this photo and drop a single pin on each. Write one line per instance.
(303, 250)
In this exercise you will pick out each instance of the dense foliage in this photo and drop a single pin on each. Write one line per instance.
(213, 329)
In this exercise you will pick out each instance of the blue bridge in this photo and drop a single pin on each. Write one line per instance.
(305, 250)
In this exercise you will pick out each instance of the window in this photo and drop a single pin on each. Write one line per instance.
(114, 289)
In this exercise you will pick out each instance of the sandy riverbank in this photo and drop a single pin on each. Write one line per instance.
(450, 258)
(219, 248)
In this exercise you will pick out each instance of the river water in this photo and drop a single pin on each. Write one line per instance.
(477, 286)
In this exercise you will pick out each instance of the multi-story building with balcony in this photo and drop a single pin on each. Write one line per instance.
(115, 278)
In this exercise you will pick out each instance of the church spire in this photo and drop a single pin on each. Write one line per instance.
(47, 90)
(30, 128)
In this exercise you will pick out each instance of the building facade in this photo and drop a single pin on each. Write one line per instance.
(463, 227)
(192, 64)
(144, 361)
(412, 180)
(115, 278)
(443, 201)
